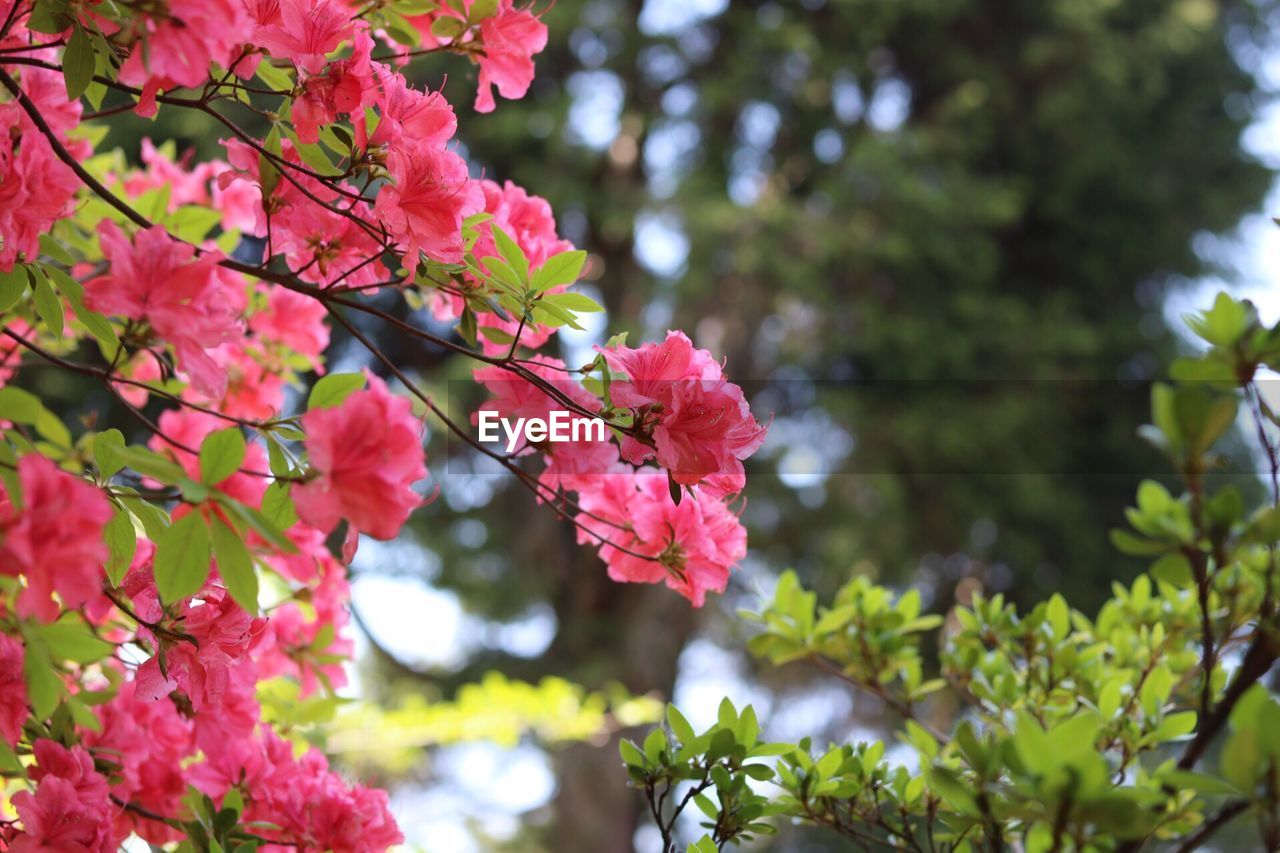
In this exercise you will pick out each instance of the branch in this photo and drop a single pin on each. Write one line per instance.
(1221, 818)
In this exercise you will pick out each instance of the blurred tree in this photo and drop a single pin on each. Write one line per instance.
(939, 234)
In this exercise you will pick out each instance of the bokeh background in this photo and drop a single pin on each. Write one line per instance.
(946, 244)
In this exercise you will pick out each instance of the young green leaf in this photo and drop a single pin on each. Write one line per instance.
(70, 639)
(48, 305)
(333, 389)
(182, 558)
(122, 542)
(78, 63)
(13, 284)
(563, 268)
(235, 565)
(221, 455)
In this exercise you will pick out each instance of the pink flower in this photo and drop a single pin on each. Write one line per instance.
(254, 390)
(13, 690)
(691, 547)
(175, 50)
(35, 188)
(367, 453)
(55, 539)
(518, 397)
(700, 424)
(424, 207)
(324, 247)
(186, 184)
(11, 351)
(409, 116)
(215, 669)
(155, 278)
(307, 31)
(71, 810)
(345, 88)
(309, 643)
(510, 37)
(150, 741)
(508, 40)
(307, 803)
(293, 320)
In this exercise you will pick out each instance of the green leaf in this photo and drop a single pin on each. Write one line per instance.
(70, 639)
(726, 715)
(680, 726)
(448, 27)
(182, 558)
(333, 389)
(221, 454)
(192, 223)
(122, 541)
(106, 445)
(12, 285)
(55, 250)
(19, 406)
(705, 806)
(654, 743)
(275, 78)
(48, 305)
(44, 685)
(261, 524)
(511, 252)
(51, 429)
(97, 324)
(277, 506)
(573, 301)
(78, 63)
(467, 326)
(151, 464)
(631, 754)
(235, 564)
(482, 9)
(313, 155)
(1059, 616)
(1176, 725)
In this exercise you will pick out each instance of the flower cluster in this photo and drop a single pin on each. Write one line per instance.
(162, 577)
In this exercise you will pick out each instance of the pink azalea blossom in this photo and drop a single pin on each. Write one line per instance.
(54, 540)
(209, 672)
(424, 206)
(35, 188)
(11, 351)
(175, 50)
(307, 803)
(13, 690)
(345, 88)
(510, 37)
(691, 547)
(150, 741)
(324, 247)
(157, 279)
(254, 389)
(71, 810)
(367, 453)
(310, 644)
(700, 423)
(518, 397)
(409, 115)
(308, 30)
(292, 320)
